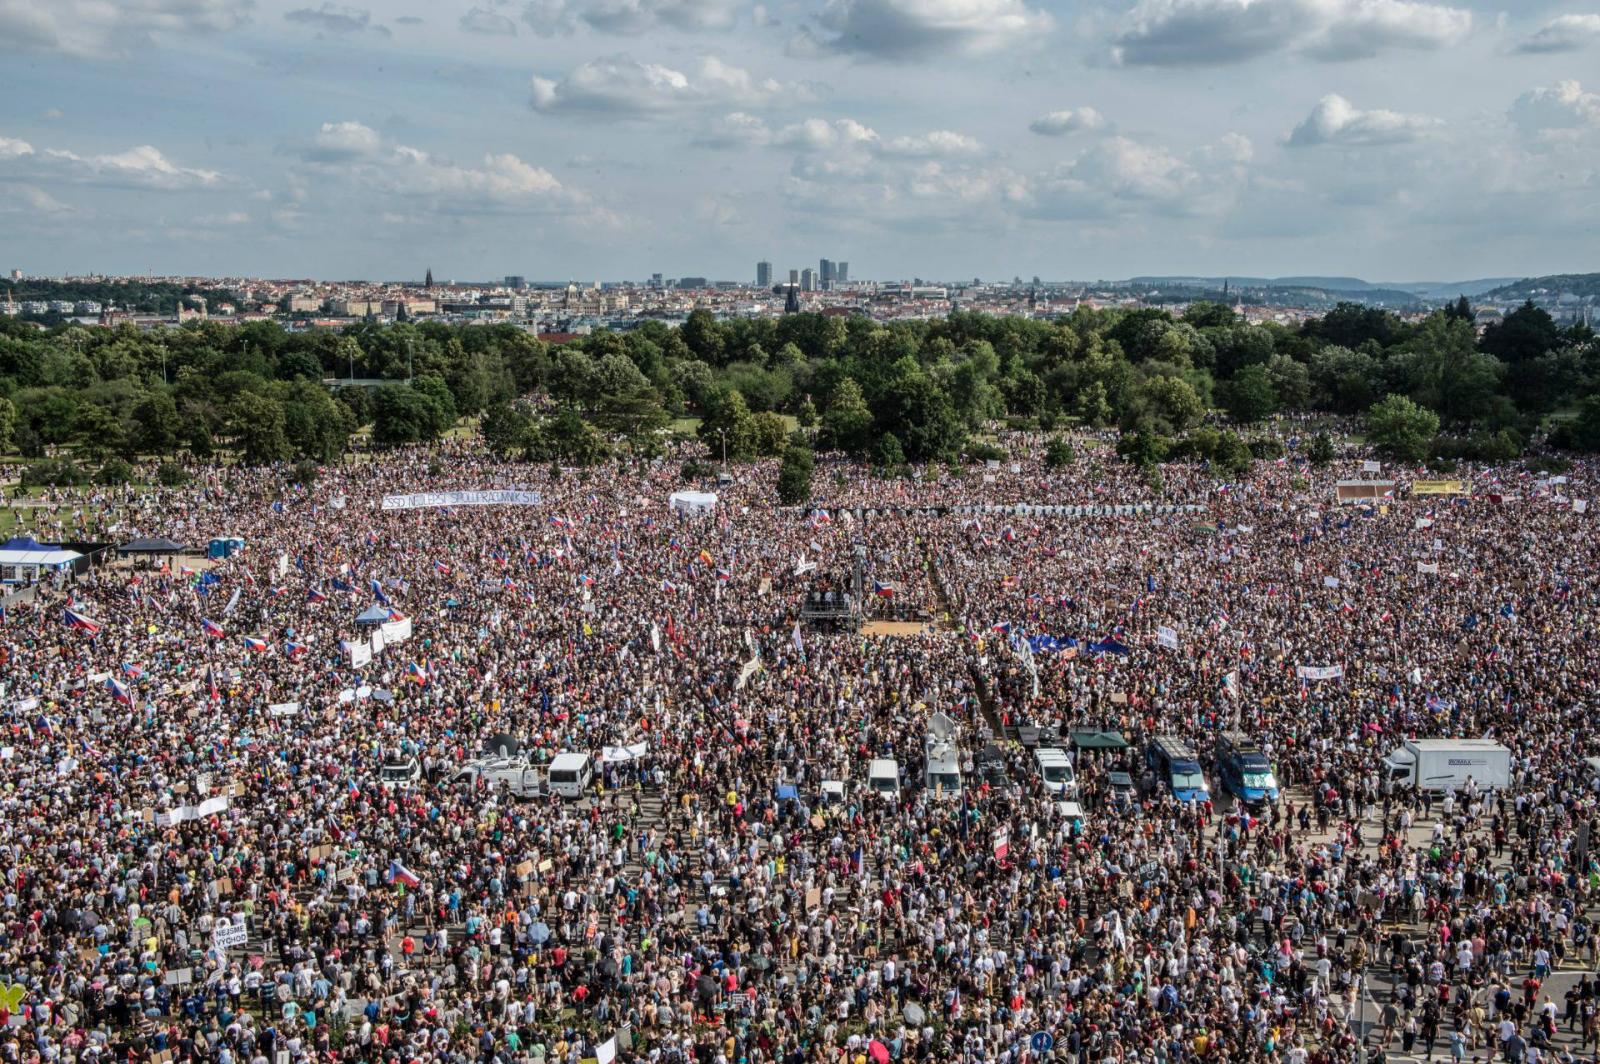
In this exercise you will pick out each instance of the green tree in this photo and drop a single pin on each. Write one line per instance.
(1250, 397)
(507, 429)
(440, 400)
(847, 422)
(794, 477)
(1524, 334)
(96, 433)
(8, 424)
(1291, 381)
(401, 415)
(1400, 428)
(727, 428)
(1058, 453)
(256, 424)
(1319, 452)
(156, 425)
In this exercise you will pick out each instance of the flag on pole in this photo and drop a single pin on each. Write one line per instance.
(399, 873)
(74, 619)
(211, 628)
(119, 691)
(255, 644)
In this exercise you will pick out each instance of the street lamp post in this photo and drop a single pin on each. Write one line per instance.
(1361, 1016)
(722, 434)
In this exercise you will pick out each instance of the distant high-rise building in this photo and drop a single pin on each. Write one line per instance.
(794, 277)
(655, 280)
(516, 282)
(825, 274)
(841, 272)
(16, 275)
(693, 282)
(808, 280)
(763, 275)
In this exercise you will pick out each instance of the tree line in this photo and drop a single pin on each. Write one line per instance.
(890, 393)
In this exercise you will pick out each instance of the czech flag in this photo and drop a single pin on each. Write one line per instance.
(399, 873)
(255, 644)
(441, 568)
(418, 672)
(292, 648)
(668, 586)
(132, 671)
(724, 575)
(315, 596)
(509, 584)
(882, 590)
(74, 619)
(396, 615)
(119, 691)
(1004, 628)
(211, 628)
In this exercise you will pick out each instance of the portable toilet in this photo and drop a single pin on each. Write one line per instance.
(224, 548)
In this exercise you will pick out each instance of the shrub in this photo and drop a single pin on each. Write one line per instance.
(114, 472)
(172, 475)
(54, 473)
(1058, 453)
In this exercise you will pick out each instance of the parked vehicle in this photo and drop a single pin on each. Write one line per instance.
(1177, 768)
(570, 774)
(1447, 764)
(514, 774)
(400, 774)
(883, 777)
(1123, 796)
(1244, 771)
(1055, 770)
(942, 773)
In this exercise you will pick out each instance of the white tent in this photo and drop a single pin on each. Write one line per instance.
(693, 502)
(24, 566)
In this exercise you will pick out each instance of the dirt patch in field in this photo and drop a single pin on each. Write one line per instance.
(882, 628)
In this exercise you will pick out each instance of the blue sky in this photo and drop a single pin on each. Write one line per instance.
(1390, 139)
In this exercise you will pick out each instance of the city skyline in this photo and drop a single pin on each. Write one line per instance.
(1374, 138)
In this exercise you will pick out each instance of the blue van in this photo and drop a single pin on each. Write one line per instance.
(1244, 771)
(1177, 768)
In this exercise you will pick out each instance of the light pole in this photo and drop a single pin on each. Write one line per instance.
(1361, 1016)
(722, 434)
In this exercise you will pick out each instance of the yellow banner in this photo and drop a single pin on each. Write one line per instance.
(1438, 487)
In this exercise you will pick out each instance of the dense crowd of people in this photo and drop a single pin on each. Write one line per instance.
(205, 858)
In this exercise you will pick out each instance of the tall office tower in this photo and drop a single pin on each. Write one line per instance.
(655, 281)
(763, 275)
(841, 272)
(794, 276)
(808, 280)
(825, 273)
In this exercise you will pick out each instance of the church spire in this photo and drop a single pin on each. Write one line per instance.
(427, 282)
(791, 302)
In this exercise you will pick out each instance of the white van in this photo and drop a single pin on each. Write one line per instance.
(1055, 770)
(570, 775)
(883, 777)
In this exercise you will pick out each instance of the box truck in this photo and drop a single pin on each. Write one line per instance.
(1447, 764)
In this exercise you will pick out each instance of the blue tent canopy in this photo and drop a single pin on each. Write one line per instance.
(373, 614)
(22, 543)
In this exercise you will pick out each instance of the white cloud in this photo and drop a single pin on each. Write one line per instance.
(97, 28)
(1119, 176)
(629, 17)
(1079, 120)
(343, 140)
(492, 23)
(1556, 113)
(916, 29)
(1206, 32)
(1334, 120)
(140, 167)
(359, 156)
(940, 144)
(1564, 33)
(38, 201)
(620, 86)
(336, 18)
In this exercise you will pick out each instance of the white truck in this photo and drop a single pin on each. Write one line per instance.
(942, 772)
(1447, 764)
(514, 774)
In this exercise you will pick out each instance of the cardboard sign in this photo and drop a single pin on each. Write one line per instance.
(179, 977)
(228, 936)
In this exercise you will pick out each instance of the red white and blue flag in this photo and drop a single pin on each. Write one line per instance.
(399, 873)
(211, 628)
(882, 590)
(418, 672)
(119, 691)
(74, 619)
(255, 644)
